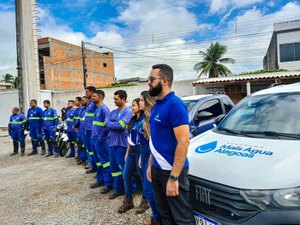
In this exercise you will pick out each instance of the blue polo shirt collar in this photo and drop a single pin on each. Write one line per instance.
(166, 98)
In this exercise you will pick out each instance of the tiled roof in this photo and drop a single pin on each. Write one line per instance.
(248, 77)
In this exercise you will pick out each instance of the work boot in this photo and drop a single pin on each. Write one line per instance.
(42, 144)
(16, 148)
(32, 153)
(22, 148)
(144, 205)
(105, 190)
(114, 195)
(87, 167)
(127, 205)
(96, 185)
(90, 171)
(84, 163)
(152, 222)
(56, 154)
(69, 156)
(77, 158)
(49, 154)
(79, 162)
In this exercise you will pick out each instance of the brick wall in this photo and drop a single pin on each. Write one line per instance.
(63, 68)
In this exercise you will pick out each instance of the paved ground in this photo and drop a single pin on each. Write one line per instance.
(38, 190)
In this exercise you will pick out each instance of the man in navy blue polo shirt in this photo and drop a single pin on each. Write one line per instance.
(169, 141)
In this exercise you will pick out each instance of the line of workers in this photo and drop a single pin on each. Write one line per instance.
(112, 144)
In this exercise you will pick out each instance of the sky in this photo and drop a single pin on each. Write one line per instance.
(142, 33)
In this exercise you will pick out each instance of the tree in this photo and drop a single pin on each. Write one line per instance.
(16, 82)
(212, 61)
(8, 78)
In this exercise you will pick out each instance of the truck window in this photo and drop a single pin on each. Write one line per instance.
(227, 105)
(212, 106)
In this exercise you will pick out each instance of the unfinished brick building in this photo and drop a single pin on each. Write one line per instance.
(60, 66)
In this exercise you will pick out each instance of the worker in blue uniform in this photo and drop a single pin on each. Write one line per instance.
(72, 135)
(76, 120)
(99, 144)
(88, 125)
(118, 143)
(16, 129)
(78, 127)
(50, 122)
(35, 126)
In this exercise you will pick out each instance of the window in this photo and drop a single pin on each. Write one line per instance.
(104, 65)
(227, 105)
(266, 113)
(212, 106)
(290, 52)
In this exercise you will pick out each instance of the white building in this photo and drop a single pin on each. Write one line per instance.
(284, 48)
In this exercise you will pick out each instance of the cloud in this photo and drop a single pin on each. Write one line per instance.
(219, 6)
(249, 50)
(8, 50)
(51, 28)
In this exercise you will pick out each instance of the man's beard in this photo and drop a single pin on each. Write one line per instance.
(154, 91)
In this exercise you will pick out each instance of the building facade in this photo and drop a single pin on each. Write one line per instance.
(61, 66)
(284, 48)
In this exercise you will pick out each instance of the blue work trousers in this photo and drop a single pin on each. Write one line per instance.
(50, 137)
(17, 136)
(36, 135)
(131, 165)
(147, 186)
(116, 155)
(81, 149)
(87, 143)
(99, 174)
(72, 139)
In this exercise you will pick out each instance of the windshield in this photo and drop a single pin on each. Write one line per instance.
(189, 103)
(270, 116)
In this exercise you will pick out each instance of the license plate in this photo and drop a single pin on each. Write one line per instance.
(203, 220)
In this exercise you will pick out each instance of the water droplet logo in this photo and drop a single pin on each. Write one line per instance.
(206, 148)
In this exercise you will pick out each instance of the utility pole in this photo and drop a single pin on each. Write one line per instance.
(84, 70)
(26, 52)
(19, 68)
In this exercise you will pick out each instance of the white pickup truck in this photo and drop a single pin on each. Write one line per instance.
(246, 171)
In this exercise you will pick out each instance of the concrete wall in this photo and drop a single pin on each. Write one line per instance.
(60, 99)
(8, 99)
(286, 38)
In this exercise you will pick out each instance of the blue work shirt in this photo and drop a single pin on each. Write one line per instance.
(89, 116)
(77, 112)
(167, 114)
(35, 118)
(70, 114)
(80, 121)
(142, 139)
(17, 122)
(101, 116)
(118, 120)
(134, 138)
(50, 118)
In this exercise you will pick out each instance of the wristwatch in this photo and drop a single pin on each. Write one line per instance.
(173, 178)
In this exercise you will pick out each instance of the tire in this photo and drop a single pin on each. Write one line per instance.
(64, 148)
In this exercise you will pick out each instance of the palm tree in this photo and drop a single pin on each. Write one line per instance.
(212, 61)
(8, 78)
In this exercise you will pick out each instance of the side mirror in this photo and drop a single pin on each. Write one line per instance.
(203, 115)
(219, 118)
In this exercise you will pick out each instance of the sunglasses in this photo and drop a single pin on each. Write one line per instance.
(151, 79)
